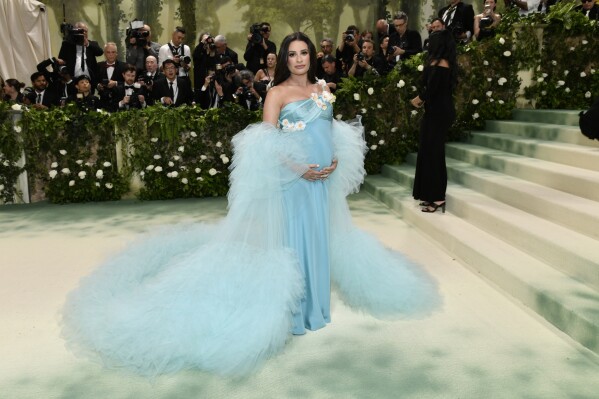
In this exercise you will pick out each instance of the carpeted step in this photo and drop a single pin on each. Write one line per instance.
(541, 131)
(553, 116)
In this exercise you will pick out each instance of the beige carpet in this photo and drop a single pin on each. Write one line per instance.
(480, 344)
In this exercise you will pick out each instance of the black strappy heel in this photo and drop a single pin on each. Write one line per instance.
(432, 207)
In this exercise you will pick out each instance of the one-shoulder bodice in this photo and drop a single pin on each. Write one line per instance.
(297, 114)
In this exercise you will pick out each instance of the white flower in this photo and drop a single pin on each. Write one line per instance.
(193, 134)
(357, 96)
(203, 157)
(200, 178)
(53, 173)
(80, 162)
(370, 91)
(225, 160)
(401, 84)
(66, 171)
(592, 70)
(584, 41)
(393, 129)
(338, 117)
(321, 82)
(100, 174)
(219, 144)
(174, 173)
(373, 133)
(540, 79)
(501, 81)
(97, 184)
(363, 110)
(485, 63)
(142, 173)
(507, 53)
(181, 149)
(501, 40)
(489, 79)
(158, 169)
(566, 72)
(381, 142)
(414, 112)
(171, 164)
(420, 68)
(587, 94)
(63, 152)
(183, 167)
(198, 170)
(379, 106)
(545, 75)
(149, 167)
(553, 62)
(82, 174)
(560, 83)
(212, 172)
(54, 165)
(491, 100)
(572, 48)
(154, 139)
(71, 183)
(176, 157)
(18, 129)
(300, 125)
(157, 156)
(184, 180)
(16, 107)
(500, 101)
(543, 93)
(489, 93)
(414, 88)
(169, 174)
(373, 147)
(108, 185)
(567, 90)
(88, 164)
(107, 164)
(475, 101)
(1, 187)
(582, 74)
(475, 115)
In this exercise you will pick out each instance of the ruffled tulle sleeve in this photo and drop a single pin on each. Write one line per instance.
(349, 149)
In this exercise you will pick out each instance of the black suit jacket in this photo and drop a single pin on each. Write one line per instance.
(161, 89)
(119, 94)
(68, 53)
(593, 15)
(117, 74)
(50, 98)
(255, 55)
(411, 41)
(462, 19)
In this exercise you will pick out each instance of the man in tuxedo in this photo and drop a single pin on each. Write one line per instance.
(129, 94)
(150, 75)
(589, 8)
(41, 97)
(110, 73)
(80, 59)
(459, 19)
(173, 90)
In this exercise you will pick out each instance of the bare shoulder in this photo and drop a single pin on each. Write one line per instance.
(273, 105)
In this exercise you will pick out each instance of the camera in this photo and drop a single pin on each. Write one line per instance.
(210, 43)
(185, 60)
(256, 31)
(486, 20)
(134, 32)
(247, 94)
(56, 67)
(349, 38)
(457, 30)
(360, 56)
(148, 78)
(72, 35)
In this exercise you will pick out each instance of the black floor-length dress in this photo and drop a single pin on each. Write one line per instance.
(430, 181)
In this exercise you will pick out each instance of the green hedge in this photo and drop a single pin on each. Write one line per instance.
(185, 152)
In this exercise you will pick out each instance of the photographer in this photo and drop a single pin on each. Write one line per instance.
(331, 74)
(139, 44)
(110, 73)
(178, 52)
(459, 19)
(258, 47)
(205, 50)
(348, 46)
(404, 43)
(59, 80)
(590, 9)
(173, 90)
(386, 54)
(486, 22)
(525, 7)
(79, 53)
(129, 94)
(150, 74)
(366, 61)
(84, 97)
(246, 95)
(436, 25)
(41, 97)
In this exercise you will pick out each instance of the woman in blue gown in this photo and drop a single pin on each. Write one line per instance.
(226, 297)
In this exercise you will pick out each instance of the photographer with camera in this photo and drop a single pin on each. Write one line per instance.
(386, 56)
(139, 44)
(258, 46)
(203, 52)
(218, 85)
(174, 90)
(348, 47)
(246, 95)
(331, 75)
(129, 93)
(366, 61)
(60, 82)
(40, 97)
(78, 52)
(84, 98)
(486, 22)
(178, 52)
(459, 20)
(150, 74)
(403, 43)
(326, 48)
(435, 25)
(110, 73)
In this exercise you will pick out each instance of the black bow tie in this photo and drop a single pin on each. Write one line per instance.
(129, 87)
(110, 65)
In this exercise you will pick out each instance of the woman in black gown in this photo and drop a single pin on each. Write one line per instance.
(438, 82)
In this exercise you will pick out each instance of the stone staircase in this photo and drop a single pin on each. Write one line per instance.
(522, 211)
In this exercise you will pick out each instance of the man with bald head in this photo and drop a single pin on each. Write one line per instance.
(79, 53)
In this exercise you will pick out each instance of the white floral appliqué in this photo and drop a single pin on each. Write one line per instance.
(291, 126)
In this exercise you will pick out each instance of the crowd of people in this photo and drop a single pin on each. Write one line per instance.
(211, 75)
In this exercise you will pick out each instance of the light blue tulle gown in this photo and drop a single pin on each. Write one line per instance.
(225, 297)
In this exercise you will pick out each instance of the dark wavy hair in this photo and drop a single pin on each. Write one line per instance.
(441, 46)
(282, 70)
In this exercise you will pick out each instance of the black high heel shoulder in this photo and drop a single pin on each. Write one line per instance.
(432, 207)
